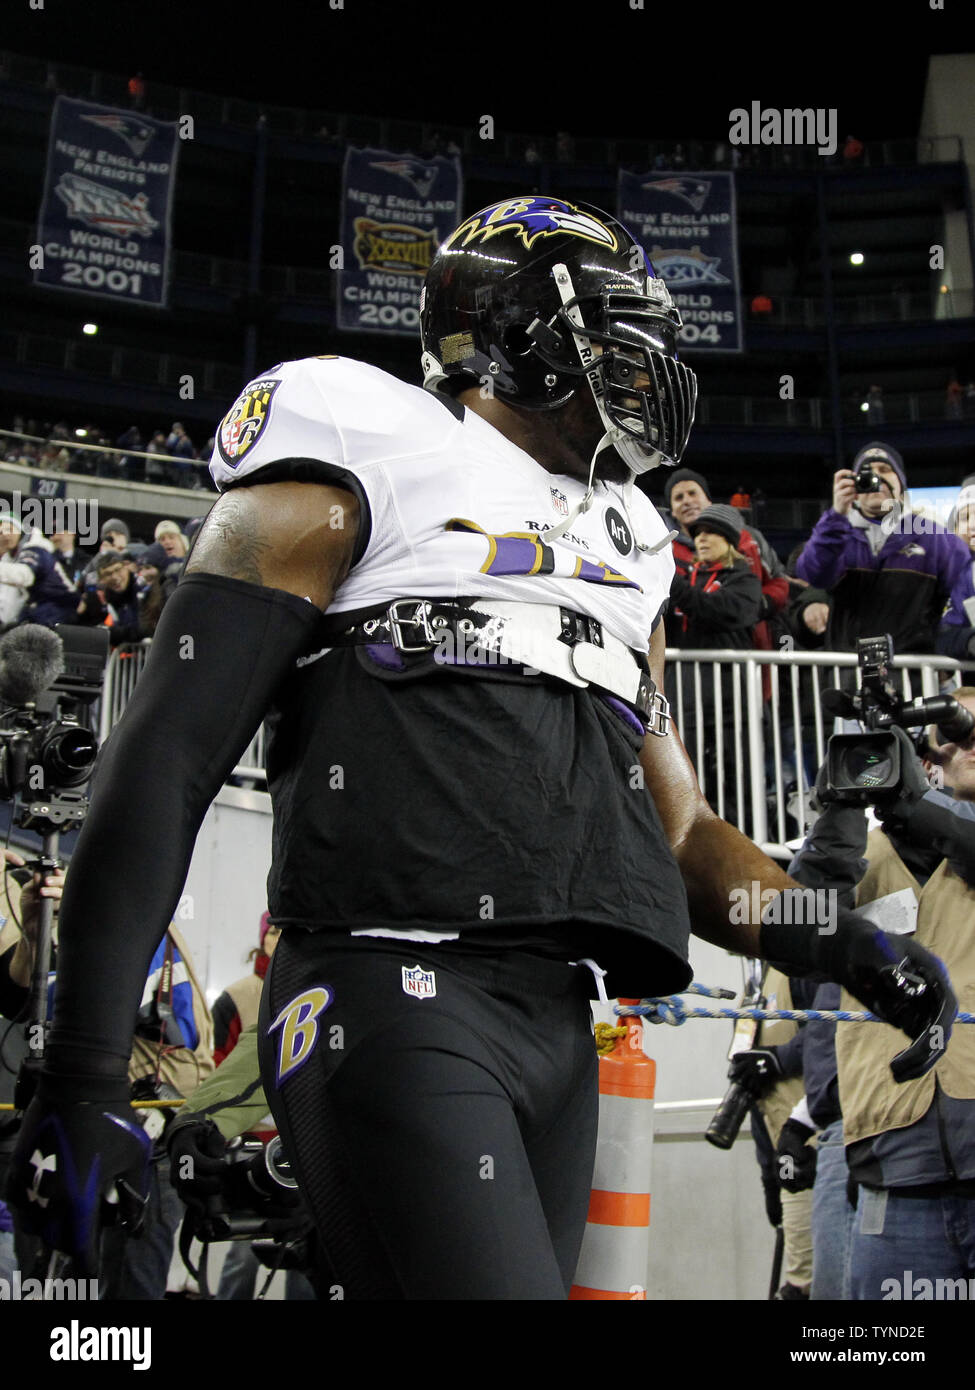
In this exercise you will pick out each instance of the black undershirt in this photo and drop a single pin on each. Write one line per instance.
(506, 810)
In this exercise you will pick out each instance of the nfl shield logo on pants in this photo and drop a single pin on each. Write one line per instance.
(422, 983)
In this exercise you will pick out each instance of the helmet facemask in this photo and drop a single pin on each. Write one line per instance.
(645, 396)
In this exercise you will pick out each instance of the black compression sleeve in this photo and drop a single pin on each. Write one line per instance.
(221, 649)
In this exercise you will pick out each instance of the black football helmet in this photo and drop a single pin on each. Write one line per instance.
(543, 298)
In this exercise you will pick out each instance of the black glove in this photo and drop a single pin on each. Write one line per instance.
(773, 1201)
(756, 1070)
(77, 1165)
(197, 1161)
(795, 1161)
(892, 976)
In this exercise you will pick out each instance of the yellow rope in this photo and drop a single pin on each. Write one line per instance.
(136, 1104)
(606, 1037)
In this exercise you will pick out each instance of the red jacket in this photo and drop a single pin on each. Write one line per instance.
(775, 591)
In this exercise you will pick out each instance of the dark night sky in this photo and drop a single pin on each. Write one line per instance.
(537, 65)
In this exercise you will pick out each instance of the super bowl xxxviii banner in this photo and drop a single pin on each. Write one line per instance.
(395, 211)
(688, 228)
(103, 227)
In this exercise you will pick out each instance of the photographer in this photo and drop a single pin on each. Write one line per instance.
(884, 572)
(228, 1105)
(171, 1055)
(771, 1073)
(20, 894)
(909, 1149)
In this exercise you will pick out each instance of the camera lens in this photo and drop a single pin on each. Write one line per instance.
(69, 756)
(867, 768)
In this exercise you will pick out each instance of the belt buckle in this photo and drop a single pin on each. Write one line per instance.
(578, 627)
(420, 618)
(654, 707)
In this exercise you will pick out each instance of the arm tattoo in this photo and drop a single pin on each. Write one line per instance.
(233, 542)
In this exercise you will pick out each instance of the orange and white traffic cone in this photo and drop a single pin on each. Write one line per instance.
(615, 1248)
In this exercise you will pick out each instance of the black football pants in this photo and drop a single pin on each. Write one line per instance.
(444, 1140)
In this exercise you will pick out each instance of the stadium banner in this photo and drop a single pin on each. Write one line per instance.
(104, 224)
(396, 209)
(688, 226)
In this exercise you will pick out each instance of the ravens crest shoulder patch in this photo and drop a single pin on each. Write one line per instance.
(246, 420)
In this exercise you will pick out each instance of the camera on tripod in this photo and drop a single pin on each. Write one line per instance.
(861, 767)
(47, 754)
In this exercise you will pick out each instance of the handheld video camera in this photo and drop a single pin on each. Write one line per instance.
(859, 767)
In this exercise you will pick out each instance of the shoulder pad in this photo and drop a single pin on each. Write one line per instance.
(332, 409)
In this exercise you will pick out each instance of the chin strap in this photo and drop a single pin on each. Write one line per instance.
(642, 545)
(554, 533)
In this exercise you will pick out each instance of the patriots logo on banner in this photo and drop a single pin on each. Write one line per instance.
(693, 191)
(135, 134)
(107, 209)
(245, 421)
(688, 267)
(420, 177)
(531, 218)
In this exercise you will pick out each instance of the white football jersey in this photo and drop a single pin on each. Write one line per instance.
(453, 508)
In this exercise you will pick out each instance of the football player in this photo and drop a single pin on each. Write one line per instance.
(447, 604)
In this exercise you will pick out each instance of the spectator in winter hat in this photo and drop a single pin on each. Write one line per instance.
(886, 569)
(172, 540)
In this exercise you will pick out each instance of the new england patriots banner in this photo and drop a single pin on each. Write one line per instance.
(395, 211)
(688, 228)
(104, 221)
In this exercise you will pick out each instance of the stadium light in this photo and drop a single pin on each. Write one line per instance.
(90, 328)
(864, 405)
(81, 434)
(856, 258)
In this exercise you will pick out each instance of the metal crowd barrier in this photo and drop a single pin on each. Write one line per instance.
(765, 752)
(125, 665)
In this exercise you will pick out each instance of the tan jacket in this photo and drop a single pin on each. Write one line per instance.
(777, 1106)
(871, 1100)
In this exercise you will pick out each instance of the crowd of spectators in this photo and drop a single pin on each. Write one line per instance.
(124, 586)
(872, 565)
(164, 456)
